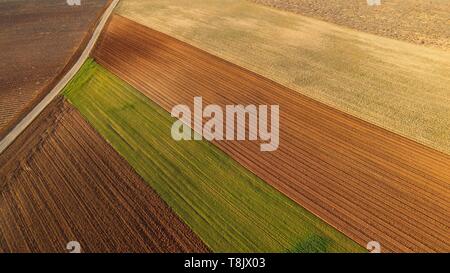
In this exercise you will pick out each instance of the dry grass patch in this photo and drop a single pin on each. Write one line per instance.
(399, 86)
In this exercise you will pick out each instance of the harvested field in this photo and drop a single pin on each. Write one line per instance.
(229, 208)
(415, 21)
(367, 182)
(61, 182)
(39, 41)
(399, 86)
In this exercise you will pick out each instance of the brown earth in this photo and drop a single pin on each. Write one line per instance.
(366, 181)
(61, 182)
(39, 42)
(415, 21)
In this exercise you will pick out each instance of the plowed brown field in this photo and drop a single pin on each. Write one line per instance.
(39, 42)
(61, 182)
(366, 181)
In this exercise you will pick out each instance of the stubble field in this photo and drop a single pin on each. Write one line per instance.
(415, 21)
(399, 86)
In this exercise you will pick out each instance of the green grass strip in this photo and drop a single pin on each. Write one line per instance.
(231, 209)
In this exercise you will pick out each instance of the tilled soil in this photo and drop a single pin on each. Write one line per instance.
(367, 182)
(39, 41)
(415, 21)
(61, 182)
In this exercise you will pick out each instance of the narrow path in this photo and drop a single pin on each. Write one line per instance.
(26, 121)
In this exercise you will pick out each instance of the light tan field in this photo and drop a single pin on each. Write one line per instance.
(416, 21)
(399, 86)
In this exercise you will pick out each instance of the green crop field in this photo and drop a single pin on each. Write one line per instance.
(231, 209)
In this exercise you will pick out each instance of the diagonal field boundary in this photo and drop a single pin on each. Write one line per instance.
(365, 181)
(26, 121)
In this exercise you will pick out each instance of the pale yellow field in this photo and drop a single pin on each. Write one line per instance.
(402, 87)
(423, 22)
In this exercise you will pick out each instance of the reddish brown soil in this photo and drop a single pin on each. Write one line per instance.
(368, 182)
(39, 42)
(415, 21)
(61, 182)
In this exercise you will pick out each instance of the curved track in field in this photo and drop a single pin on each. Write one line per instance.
(368, 182)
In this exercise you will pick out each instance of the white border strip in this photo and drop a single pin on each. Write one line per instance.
(23, 124)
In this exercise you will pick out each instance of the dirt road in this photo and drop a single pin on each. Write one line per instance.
(47, 99)
(39, 43)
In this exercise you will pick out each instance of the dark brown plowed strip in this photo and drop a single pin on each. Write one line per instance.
(39, 43)
(369, 183)
(61, 182)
